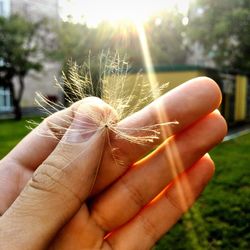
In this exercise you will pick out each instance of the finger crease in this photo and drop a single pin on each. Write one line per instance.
(149, 228)
(134, 194)
(173, 202)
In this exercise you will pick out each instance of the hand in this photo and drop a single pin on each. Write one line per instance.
(45, 185)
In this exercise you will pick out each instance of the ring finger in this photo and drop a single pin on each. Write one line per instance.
(150, 176)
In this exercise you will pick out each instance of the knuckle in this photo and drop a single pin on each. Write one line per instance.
(134, 193)
(149, 228)
(100, 219)
(47, 178)
(176, 202)
(62, 156)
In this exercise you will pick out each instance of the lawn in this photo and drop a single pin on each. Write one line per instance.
(221, 217)
(11, 132)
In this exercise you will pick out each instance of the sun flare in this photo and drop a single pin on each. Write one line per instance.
(94, 12)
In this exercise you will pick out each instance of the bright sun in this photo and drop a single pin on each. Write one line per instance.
(95, 11)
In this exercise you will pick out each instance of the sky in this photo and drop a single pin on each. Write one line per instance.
(93, 12)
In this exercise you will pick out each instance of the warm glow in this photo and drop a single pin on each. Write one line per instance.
(95, 11)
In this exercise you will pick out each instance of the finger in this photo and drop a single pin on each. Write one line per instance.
(186, 104)
(79, 233)
(56, 191)
(42, 139)
(18, 166)
(161, 214)
(148, 177)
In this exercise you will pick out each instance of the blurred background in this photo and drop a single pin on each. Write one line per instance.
(176, 41)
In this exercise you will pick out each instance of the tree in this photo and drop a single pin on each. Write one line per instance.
(222, 28)
(70, 39)
(18, 55)
(167, 37)
(166, 40)
(75, 41)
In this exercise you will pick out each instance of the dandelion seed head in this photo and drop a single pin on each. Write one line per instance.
(118, 98)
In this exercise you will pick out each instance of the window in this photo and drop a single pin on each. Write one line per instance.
(1, 8)
(5, 100)
(4, 8)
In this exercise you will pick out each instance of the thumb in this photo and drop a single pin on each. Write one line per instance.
(57, 189)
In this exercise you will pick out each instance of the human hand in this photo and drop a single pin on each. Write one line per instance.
(53, 208)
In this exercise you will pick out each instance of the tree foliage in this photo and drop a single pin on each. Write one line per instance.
(18, 55)
(222, 28)
(76, 41)
(166, 40)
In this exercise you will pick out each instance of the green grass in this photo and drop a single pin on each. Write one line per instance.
(11, 132)
(221, 217)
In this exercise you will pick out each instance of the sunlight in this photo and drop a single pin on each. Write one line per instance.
(147, 60)
(176, 160)
(94, 12)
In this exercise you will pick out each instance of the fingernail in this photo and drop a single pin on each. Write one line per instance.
(88, 120)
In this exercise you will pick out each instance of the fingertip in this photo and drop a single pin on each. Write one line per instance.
(213, 88)
(97, 110)
(221, 124)
(207, 166)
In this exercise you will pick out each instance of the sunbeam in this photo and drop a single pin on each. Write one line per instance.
(176, 164)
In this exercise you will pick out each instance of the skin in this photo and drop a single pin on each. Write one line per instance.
(48, 200)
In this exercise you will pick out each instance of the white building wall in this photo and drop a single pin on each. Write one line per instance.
(36, 9)
(43, 81)
(4, 8)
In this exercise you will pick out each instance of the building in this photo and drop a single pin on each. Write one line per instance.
(42, 82)
(234, 85)
(35, 9)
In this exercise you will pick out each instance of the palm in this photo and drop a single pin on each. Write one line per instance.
(121, 200)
